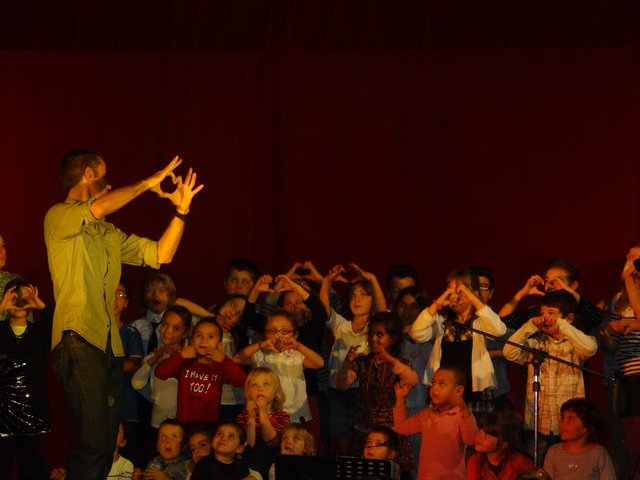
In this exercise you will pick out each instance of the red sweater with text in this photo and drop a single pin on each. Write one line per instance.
(199, 385)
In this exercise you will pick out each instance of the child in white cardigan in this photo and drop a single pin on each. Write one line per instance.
(457, 346)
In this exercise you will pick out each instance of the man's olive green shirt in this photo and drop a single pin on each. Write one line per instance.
(85, 260)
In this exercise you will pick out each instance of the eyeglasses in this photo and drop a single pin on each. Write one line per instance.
(376, 445)
(276, 331)
(121, 295)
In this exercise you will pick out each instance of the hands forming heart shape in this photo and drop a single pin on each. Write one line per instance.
(336, 274)
(266, 284)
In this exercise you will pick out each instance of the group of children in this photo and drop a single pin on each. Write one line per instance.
(412, 382)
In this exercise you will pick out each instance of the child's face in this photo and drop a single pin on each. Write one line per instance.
(360, 301)
(172, 329)
(293, 302)
(549, 320)
(292, 442)
(262, 386)
(230, 313)
(444, 388)
(205, 338)
(557, 279)
(169, 442)
(156, 297)
(379, 339)
(396, 286)
(226, 442)
(407, 309)
(376, 448)
(17, 314)
(200, 446)
(122, 301)
(239, 282)
(486, 292)
(571, 427)
(459, 302)
(486, 443)
(281, 331)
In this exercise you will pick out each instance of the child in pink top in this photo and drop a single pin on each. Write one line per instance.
(447, 426)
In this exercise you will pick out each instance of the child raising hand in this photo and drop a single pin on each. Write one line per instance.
(447, 425)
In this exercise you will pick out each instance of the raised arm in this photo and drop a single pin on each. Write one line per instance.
(422, 328)
(335, 274)
(116, 199)
(262, 285)
(9, 296)
(488, 320)
(312, 359)
(585, 345)
(285, 284)
(520, 336)
(379, 302)
(193, 307)
(531, 287)
(347, 373)
(181, 199)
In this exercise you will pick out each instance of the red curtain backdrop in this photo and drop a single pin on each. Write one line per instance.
(443, 158)
(439, 133)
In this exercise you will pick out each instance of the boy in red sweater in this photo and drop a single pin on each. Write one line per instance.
(201, 368)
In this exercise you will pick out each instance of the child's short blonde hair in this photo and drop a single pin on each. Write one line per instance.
(279, 399)
(309, 441)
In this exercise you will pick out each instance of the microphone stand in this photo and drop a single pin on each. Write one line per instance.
(537, 357)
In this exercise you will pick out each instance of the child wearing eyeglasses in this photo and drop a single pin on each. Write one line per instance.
(281, 352)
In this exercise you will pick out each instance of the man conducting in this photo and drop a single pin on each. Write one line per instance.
(85, 255)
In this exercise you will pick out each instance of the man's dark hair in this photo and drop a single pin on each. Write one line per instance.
(74, 163)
